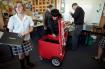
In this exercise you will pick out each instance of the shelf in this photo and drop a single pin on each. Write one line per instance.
(41, 5)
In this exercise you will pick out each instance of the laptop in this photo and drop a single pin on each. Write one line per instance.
(9, 38)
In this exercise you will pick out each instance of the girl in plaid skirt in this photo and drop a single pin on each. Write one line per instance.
(22, 24)
(101, 46)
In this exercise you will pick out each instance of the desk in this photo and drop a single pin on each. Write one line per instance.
(38, 22)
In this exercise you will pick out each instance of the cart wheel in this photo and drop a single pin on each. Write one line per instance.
(40, 58)
(56, 62)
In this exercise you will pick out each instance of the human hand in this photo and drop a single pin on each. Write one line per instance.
(22, 33)
(71, 13)
(45, 28)
(54, 35)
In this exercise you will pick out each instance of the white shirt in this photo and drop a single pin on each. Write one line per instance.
(19, 26)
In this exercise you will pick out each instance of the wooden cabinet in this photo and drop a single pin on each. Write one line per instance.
(41, 5)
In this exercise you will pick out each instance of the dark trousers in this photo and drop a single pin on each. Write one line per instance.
(75, 36)
(82, 38)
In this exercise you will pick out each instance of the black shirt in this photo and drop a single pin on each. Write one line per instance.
(53, 26)
(47, 17)
(78, 16)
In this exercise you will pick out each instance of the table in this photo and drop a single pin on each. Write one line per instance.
(38, 22)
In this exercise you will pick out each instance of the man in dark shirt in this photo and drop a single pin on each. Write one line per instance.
(78, 16)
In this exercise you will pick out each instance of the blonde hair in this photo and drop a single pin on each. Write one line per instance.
(19, 2)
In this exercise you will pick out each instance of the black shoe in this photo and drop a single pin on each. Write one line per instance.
(74, 49)
(103, 60)
(28, 62)
(23, 67)
(96, 59)
(22, 63)
(31, 64)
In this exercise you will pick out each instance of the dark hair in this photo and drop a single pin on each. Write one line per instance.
(49, 6)
(74, 4)
(56, 13)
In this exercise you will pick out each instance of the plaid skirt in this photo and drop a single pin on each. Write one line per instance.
(25, 47)
(102, 42)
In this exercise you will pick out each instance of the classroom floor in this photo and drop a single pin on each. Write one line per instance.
(79, 59)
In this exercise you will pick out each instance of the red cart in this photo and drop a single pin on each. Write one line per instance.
(53, 48)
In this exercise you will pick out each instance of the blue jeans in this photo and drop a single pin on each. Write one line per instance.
(75, 36)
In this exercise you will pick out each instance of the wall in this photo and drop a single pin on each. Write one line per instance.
(93, 9)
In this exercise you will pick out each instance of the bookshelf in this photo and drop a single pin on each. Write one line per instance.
(41, 5)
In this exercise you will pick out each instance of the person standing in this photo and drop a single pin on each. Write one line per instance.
(78, 16)
(47, 17)
(22, 24)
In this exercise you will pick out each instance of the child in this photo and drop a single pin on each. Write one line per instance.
(22, 24)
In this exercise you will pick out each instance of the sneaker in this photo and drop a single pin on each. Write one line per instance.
(103, 60)
(96, 59)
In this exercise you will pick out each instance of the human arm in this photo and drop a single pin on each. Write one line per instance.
(75, 14)
(28, 32)
(10, 24)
